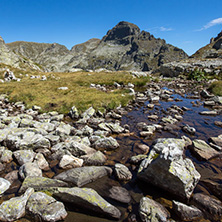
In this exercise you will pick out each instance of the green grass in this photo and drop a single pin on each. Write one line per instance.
(216, 88)
(47, 95)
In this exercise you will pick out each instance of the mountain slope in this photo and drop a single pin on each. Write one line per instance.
(8, 57)
(212, 50)
(124, 47)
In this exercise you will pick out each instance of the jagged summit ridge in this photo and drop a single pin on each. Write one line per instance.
(124, 47)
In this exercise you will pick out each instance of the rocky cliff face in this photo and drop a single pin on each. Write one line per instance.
(124, 47)
(206, 59)
(8, 57)
(212, 50)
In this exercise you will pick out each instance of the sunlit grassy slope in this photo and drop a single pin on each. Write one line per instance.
(47, 95)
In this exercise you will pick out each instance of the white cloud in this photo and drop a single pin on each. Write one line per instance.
(164, 29)
(213, 22)
(159, 29)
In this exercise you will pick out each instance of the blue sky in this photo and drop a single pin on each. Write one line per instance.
(187, 24)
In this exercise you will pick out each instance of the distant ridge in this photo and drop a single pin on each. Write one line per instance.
(124, 47)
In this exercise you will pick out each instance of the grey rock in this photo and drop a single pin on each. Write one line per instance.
(69, 161)
(4, 185)
(6, 156)
(88, 199)
(165, 167)
(29, 169)
(41, 161)
(137, 159)
(122, 172)
(108, 143)
(203, 150)
(40, 205)
(209, 113)
(120, 194)
(24, 156)
(40, 183)
(188, 129)
(210, 206)
(14, 208)
(150, 210)
(74, 114)
(84, 175)
(95, 159)
(186, 213)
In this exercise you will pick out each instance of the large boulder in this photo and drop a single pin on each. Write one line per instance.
(14, 208)
(88, 199)
(42, 206)
(165, 167)
(83, 175)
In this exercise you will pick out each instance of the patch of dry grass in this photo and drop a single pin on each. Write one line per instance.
(216, 88)
(47, 95)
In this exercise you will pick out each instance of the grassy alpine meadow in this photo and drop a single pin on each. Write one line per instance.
(47, 95)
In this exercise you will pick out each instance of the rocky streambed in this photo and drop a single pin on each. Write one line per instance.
(159, 159)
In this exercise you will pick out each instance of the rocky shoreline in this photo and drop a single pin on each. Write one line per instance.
(47, 160)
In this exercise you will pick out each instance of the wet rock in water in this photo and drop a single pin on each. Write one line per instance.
(166, 168)
(29, 170)
(186, 213)
(120, 194)
(202, 150)
(4, 185)
(205, 94)
(40, 183)
(87, 199)
(111, 127)
(188, 129)
(74, 114)
(150, 106)
(169, 120)
(95, 159)
(218, 123)
(78, 149)
(216, 140)
(24, 156)
(45, 208)
(214, 185)
(137, 159)
(84, 175)
(108, 143)
(143, 147)
(210, 206)
(150, 210)
(153, 117)
(14, 208)
(209, 103)
(69, 161)
(208, 113)
(122, 172)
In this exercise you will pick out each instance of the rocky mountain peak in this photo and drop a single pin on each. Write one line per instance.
(122, 30)
(1, 40)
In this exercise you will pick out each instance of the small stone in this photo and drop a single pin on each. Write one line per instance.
(122, 172)
(69, 161)
(120, 194)
(4, 185)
